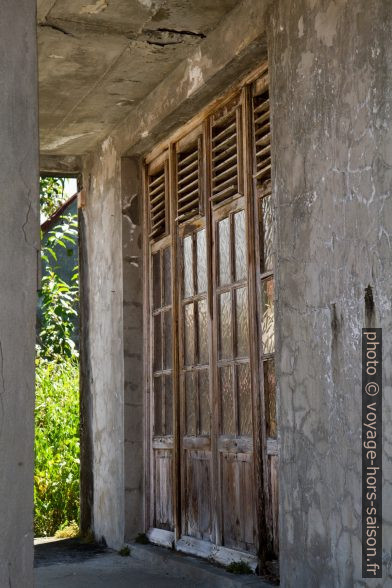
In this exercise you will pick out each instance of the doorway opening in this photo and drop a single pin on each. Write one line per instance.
(57, 441)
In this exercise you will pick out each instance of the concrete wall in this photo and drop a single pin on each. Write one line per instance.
(19, 245)
(331, 85)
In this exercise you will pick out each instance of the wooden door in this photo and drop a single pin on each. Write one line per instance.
(160, 375)
(211, 379)
(233, 379)
(194, 341)
(264, 231)
(232, 365)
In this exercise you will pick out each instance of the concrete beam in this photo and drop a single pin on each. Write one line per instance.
(60, 165)
(237, 45)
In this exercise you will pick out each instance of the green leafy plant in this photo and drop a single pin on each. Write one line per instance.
(57, 446)
(58, 300)
(56, 479)
(239, 567)
(125, 551)
(51, 195)
(68, 531)
(142, 539)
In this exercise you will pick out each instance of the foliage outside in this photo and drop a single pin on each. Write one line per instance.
(56, 479)
(51, 195)
(58, 299)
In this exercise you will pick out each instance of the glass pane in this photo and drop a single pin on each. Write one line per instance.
(241, 296)
(190, 400)
(156, 280)
(167, 338)
(225, 312)
(266, 232)
(157, 343)
(203, 332)
(270, 397)
(224, 251)
(158, 406)
(267, 310)
(201, 261)
(244, 399)
(204, 396)
(188, 267)
(189, 334)
(168, 405)
(240, 245)
(226, 386)
(167, 276)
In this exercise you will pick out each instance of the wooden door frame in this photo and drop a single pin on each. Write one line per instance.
(203, 118)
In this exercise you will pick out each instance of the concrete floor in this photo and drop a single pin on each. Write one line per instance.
(70, 564)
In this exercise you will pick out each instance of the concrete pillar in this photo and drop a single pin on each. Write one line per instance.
(331, 86)
(19, 245)
(131, 188)
(103, 359)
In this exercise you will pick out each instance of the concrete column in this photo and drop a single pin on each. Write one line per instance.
(331, 86)
(19, 245)
(131, 188)
(102, 336)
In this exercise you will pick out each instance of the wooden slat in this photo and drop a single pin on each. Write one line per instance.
(231, 128)
(221, 186)
(221, 145)
(230, 171)
(191, 196)
(224, 154)
(188, 178)
(225, 158)
(157, 202)
(188, 183)
(262, 137)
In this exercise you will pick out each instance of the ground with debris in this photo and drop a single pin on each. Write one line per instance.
(69, 563)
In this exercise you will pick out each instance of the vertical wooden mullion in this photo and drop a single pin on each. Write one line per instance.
(162, 321)
(147, 371)
(212, 336)
(233, 296)
(172, 197)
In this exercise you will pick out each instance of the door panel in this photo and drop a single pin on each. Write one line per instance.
(235, 437)
(194, 385)
(211, 382)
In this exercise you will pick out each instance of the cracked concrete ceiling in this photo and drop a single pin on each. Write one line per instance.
(99, 58)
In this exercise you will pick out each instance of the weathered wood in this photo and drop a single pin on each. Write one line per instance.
(214, 477)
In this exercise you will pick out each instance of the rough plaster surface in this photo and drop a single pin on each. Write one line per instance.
(331, 86)
(19, 245)
(102, 231)
(98, 59)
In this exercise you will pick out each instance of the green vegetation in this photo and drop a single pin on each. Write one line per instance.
(142, 539)
(56, 477)
(68, 531)
(125, 551)
(239, 567)
(58, 299)
(51, 195)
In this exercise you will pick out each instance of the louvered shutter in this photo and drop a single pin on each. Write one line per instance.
(225, 156)
(157, 198)
(262, 133)
(189, 181)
